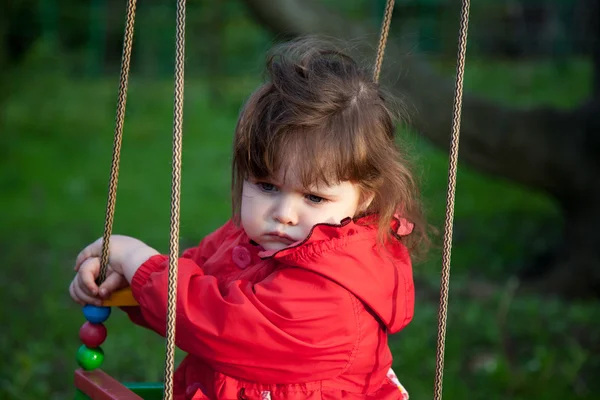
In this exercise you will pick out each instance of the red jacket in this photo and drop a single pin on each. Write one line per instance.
(306, 322)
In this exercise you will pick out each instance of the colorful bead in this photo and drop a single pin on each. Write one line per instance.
(92, 335)
(89, 358)
(96, 315)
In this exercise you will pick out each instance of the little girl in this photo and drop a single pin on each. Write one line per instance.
(294, 297)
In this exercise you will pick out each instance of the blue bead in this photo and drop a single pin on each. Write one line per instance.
(94, 314)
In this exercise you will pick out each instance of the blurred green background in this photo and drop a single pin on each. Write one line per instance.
(59, 77)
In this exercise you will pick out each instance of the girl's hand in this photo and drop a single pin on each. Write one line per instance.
(120, 251)
(126, 254)
(83, 288)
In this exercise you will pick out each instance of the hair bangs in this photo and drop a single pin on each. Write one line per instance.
(315, 156)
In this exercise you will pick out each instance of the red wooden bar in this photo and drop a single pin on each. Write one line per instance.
(98, 385)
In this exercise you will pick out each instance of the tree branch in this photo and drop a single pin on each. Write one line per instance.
(536, 147)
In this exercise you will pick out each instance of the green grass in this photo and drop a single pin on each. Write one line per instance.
(55, 150)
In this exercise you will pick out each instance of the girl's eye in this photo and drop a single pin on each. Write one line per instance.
(315, 199)
(267, 187)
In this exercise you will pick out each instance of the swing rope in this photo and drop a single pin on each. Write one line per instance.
(383, 36)
(118, 137)
(450, 196)
(176, 174)
(175, 198)
(452, 169)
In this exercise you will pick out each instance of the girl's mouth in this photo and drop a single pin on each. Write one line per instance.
(282, 237)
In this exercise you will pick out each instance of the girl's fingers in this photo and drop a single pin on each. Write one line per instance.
(92, 250)
(73, 295)
(88, 272)
(84, 297)
(81, 257)
(112, 282)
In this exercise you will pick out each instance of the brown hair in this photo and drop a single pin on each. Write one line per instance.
(324, 114)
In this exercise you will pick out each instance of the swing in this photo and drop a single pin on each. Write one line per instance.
(93, 383)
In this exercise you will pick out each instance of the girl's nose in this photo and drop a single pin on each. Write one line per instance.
(284, 212)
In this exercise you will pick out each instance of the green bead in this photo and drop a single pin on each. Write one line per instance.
(89, 359)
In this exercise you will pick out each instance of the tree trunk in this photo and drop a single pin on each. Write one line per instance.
(574, 268)
(547, 149)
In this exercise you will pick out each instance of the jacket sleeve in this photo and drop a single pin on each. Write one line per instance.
(294, 323)
(135, 313)
(199, 254)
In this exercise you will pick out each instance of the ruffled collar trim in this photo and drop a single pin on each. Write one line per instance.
(347, 227)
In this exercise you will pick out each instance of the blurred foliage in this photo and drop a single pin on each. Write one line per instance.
(91, 31)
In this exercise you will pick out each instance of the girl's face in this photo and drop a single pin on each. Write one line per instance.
(278, 212)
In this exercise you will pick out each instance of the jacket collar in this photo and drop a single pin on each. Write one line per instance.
(347, 227)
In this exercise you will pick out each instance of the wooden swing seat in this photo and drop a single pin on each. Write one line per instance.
(98, 385)
(120, 298)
